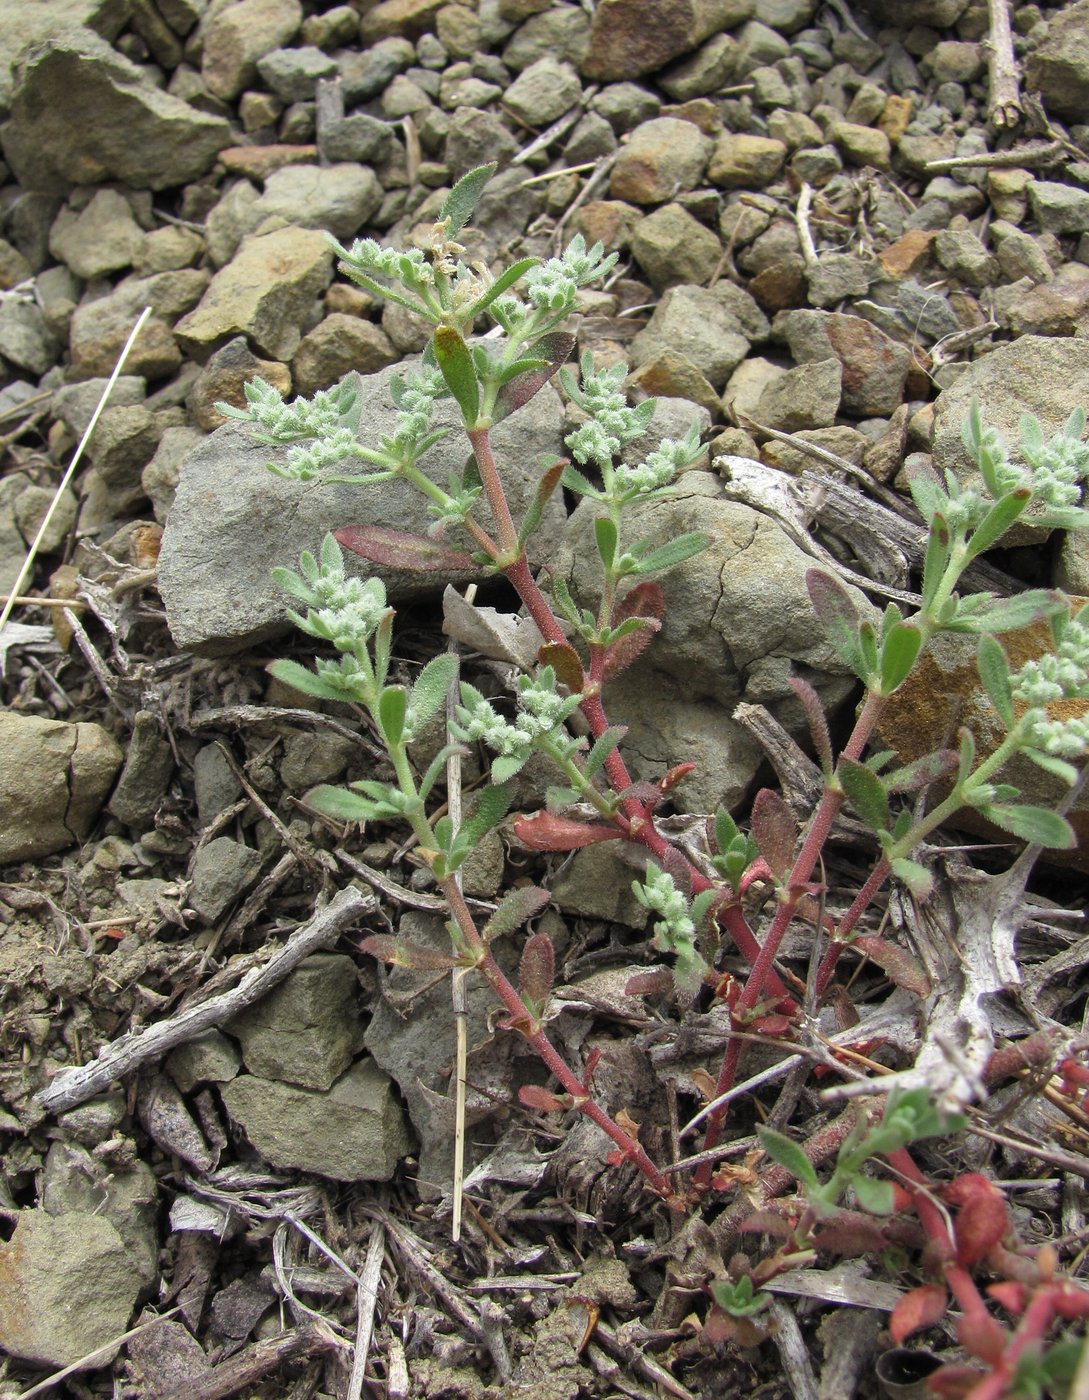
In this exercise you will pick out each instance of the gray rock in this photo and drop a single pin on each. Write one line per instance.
(1058, 68)
(308, 1029)
(215, 782)
(926, 311)
(1044, 375)
(368, 72)
(592, 138)
(837, 276)
(561, 32)
(159, 479)
(875, 368)
(960, 252)
(335, 346)
(230, 220)
(662, 158)
(103, 237)
(593, 884)
(21, 25)
(100, 328)
(671, 246)
(211, 1058)
(25, 339)
(1059, 208)
(264, 292)
(806, 397)
(711, 67)
(54, 778)
(542, 92)
(149, 765)
(95, 1121)
(625, 106)
(236, 36)
(232, 521)
(358, 137)
(312, 758)
(76, 1182)
(293, 74)
(81, 114)
(476, 138)
(67, 1287)
(354, 1131)
(699, 324)
(31, 507)
(222, 871)
(338, 198)
(74, 404)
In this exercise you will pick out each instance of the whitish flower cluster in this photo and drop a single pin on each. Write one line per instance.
(552, 285)
(303, 463)
(340, 609)
(416, 404)
(1059, 465)
(613, 422)
(661, 896)
(1062, 675)
(351, 611)
(411, 268)
(964, 507)
(541, 715)
(660, 468)
(316, 417)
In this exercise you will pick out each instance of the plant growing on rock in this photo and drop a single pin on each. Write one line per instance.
(697, 900)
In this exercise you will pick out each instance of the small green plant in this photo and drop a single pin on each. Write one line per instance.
(699, 907)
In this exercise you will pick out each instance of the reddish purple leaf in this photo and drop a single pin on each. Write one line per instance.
(556, 349)
(896, 962)
(544, 1100)
(564, 660)
(537, 971)
(774, 830)
(402, 952)
(544, 831)
(397, 549)
(646, 601)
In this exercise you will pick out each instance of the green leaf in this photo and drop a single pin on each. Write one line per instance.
(866, 793)
(516, 908)
(920, 772)
(605, 533)
(506, 766)
(581, 485)
(925, 491)
(1036, 825)
(874, 1196)
(346, 806)
(998, 520)
(898, 654)
(492, 807)
(915, 876)
(503, 283)
(456, 364)
(459, 204)
(939, 551)
(1012, 614)
(307, 683)
(966, 755)
(436, 767)
(788, 1154)
(667, 556)
(430, 688)
(725, 830)
(392, 708)
(994, 672)
(604, 747)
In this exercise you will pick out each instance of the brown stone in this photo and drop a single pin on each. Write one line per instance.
(259, 161)
(780, 286)
(336, 346)
(607, 221)
(662, 158)
(224, 379)
(632, 37)
(406, 18)
(895, 117)
(945, 688)
(909, 252)
(673, 375)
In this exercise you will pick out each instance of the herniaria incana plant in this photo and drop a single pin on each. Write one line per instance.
(697, 901)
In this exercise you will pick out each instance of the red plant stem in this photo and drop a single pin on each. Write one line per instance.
(521, 1016)
(1031, 1331)
(877, 878)
(493, 489)
(758, 981)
